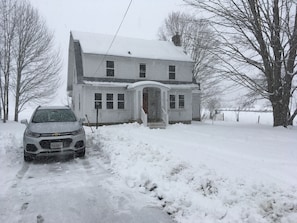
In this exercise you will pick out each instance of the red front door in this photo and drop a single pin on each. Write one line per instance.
(145, 102)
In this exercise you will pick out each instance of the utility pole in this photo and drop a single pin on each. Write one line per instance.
(97, 113)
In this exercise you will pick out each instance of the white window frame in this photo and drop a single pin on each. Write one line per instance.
(172, 74)
(181, 101)
(172, 102)
(110, 69)
(121, 102)
(142, 72)
(109, 101)
(98, 101)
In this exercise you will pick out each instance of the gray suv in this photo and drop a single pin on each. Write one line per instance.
(53, 130)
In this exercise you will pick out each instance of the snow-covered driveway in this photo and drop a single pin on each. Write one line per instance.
(67, 190)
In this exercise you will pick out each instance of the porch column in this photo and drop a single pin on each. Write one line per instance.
(139, 102)
(165, 105)
(165, 100)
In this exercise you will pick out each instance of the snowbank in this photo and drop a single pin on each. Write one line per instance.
(11, 159)
(208, 173)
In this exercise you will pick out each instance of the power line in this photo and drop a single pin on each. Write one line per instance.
(115, 36)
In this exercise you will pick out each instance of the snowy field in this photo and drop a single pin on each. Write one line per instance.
(246, 117)
(203, 172)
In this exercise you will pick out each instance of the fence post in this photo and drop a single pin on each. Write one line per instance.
(258, 119)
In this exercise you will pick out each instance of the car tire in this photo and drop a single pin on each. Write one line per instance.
(27, 157)
(81, 153)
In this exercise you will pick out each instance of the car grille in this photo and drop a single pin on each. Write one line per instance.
(56, 134)
(46, 144)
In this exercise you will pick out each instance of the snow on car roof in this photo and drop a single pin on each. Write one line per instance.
(129, 47)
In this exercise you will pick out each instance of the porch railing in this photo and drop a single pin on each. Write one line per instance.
(143, 117)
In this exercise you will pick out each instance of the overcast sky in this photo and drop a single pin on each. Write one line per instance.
(103, 16)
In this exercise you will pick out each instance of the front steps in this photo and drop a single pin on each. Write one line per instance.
(156, 125)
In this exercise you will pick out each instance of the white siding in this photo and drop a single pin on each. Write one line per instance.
(181, 114)
(105, 115)
(128, 68)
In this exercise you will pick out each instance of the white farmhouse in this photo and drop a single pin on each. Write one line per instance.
(118, 80)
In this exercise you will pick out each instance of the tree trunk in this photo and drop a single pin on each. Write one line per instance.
(277, 114)
(6, 100)
(281, 114)
(17, 94)
(3, 109)
(2, 100)
(290, 121)
(16, 108)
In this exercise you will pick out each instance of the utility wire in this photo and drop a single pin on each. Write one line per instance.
(114, 37)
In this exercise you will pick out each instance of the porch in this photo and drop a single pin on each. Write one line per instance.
(150, 103)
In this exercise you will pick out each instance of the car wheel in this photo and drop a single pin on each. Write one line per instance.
(81, 153)
(27, 158)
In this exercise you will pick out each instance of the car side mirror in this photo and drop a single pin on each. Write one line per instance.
(81, 120)
(24, 121)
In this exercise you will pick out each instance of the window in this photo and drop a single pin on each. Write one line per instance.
(98, 101)
(110, 68)
(121, 101)
(172, 72)
(172, 101)
(181, 101)
(142, 70)
(109, 101)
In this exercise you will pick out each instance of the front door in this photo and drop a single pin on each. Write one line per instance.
(145, 101)
(152, 104)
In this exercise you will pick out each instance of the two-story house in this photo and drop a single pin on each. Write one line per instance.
(118, 80)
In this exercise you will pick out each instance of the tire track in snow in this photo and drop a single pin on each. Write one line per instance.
(17, 198)
(25, 194)
(20, 174)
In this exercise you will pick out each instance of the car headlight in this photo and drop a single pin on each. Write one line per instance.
(32, 134)
(79, 131)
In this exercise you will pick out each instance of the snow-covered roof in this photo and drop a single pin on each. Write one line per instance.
(107, 84)
(147, 83)
(129, 47)
(184, 86)
(141, 83)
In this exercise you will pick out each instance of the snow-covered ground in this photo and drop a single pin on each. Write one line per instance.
(221, 172)
(249, 117)
(66, 190)
(203, 172)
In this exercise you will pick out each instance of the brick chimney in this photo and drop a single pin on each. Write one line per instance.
(176, 39)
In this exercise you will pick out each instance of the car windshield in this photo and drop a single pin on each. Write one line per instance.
(53, 115)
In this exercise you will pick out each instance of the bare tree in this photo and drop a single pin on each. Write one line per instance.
(212, 105)
(7, 28)
(198, 40)
(259, 48)
(29, 63)
(37, 64)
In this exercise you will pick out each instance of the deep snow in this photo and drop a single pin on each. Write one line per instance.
(203, 172)
(221, 172)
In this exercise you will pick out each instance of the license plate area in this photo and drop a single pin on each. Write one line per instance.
(56, 145)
